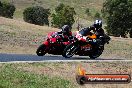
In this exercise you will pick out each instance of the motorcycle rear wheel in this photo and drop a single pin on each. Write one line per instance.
(41, 50)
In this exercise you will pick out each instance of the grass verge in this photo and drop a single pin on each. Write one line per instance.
(11, 77)
(59, 74)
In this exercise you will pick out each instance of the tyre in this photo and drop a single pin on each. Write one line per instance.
(96, 53)
(69, 51)
(41, 50)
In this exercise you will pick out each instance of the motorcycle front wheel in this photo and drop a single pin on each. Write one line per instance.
(70, 50)
(41, 50)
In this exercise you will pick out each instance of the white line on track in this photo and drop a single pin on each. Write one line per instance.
(69, 61)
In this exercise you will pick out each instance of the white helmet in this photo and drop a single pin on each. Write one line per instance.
(98, 24)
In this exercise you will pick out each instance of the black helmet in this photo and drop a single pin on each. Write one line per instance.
(98, 24)
(66, 29)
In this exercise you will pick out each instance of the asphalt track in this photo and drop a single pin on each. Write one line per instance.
(49, 58)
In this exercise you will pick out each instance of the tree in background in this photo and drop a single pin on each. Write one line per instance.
(118, 15)
(7, 10)
(36, 15)
(64, 15)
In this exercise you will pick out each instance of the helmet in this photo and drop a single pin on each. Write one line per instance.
(66, 29)
(98, 24)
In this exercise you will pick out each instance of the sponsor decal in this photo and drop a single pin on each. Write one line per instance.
(83, 78)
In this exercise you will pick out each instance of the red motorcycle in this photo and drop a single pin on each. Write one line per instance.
(54, 44)
(81, 47)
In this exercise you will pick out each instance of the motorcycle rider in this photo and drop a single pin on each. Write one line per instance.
(98, 30)
(65, 33)
(95, 28)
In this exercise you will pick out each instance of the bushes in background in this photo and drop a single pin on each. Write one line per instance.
(7, 10)
(64, 15)
(36, 15)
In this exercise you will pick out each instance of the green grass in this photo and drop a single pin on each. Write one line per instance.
(12, 77)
